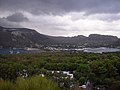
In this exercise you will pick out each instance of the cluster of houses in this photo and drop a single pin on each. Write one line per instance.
(66, 75)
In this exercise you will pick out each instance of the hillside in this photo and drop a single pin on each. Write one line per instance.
(23, 37)
(101, 40)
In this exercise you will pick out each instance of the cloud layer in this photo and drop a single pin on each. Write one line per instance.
(61, 6)
(17, 17)
(63, 17)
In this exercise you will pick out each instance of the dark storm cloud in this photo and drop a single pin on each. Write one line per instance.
(61, 6)
(6, 23)
(17, 17)
(13, 20)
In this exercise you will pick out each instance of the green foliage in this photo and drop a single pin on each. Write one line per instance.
(9, 71)
(82, 80)
(33, 83)
(100, 69)
(61, 66)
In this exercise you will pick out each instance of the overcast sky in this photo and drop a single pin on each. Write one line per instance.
(63, 17)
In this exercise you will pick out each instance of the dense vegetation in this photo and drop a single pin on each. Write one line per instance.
(102, 70)
(33, 83)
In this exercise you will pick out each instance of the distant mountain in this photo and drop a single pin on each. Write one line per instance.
(23, 37)
(117, 43)
(77, 40)
(101, 40)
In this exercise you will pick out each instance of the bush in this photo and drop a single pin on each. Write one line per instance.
(33, 83)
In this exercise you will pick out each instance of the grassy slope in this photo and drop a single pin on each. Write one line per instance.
(34, 83)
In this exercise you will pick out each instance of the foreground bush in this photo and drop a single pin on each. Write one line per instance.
(34, 83)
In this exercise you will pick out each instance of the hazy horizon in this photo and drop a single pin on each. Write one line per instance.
(62, 17)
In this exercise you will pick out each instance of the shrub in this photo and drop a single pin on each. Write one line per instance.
(33, 83)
